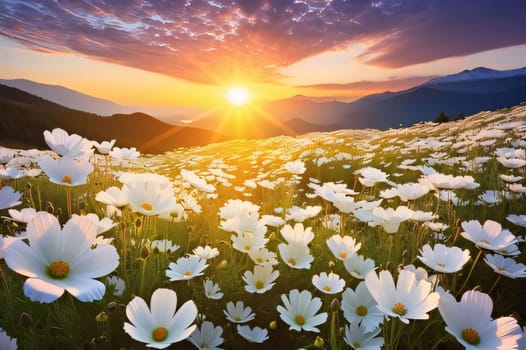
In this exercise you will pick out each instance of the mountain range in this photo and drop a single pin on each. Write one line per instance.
(464, 93)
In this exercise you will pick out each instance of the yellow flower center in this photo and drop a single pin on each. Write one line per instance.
(67, 179)
(259, 284)
(485, 241)
(299, 319)
(147, 206)
(442, 265)
(327, 288)
(501, 269)
(187, 273)
(260, 260)
(471, 336)
(361, 310)
(58, 269)
(399, 309)
(356, 345)
(247, 247)
(342, 255)
(159, 334)
(237, 318)
(292, 261)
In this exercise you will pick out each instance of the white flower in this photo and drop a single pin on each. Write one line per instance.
(105, 146)
(248, 242)
(61, 259)
(68, 146)
(150, 195)
(208, 337)
(488, 236)
(162, 325)
(6, 342)
(238, 313)
(272, 220)
(469, 321)
(444, 259)
(370, 176)
(9, 197)
(406, 192)
(343, 247)
(66, 171)
(358, 337)
(299, 214)
(391, 219)
(196, 181)
(410, 299)
(358, 266)
(298, 234)
(255, 335)
(360, 306)
(263, 257)
(506, 266)
(300, 311)
(186, 268)
(328, 283)
(164, 246)
(296, 167)
(205, 252)
(295, 255)
(261, 280)
(113, 196)
(117, 283)
(122, 155)
(212, 290)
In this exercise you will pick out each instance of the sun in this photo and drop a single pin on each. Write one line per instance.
(238, 96)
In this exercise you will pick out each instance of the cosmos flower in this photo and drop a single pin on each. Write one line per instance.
(208, 337)
(6, 342)
(105, 146)
(358, 266)
(331, 191)
(205, 252)
(328, 283)
(113, 196)
(444, 259)
(66, 171)
(68, 146)
(406, 192)
(469, 321)
(359, 306)
(450, 182)
(253, 335)
(236, 208)
(506, 266)
(263, 257)
(185, 268)
(370, 176)
(390, 219)
(519, 220)
(61, 259)
(489, 236)
(9, 197)
(122, 156)
(298, 234)
(359, 338)
(238, 313)
(410, 299)
(164, 246)
(512, 163)
(296, 255)
(300, 311)
(197, 182)
(299, 214)
(117, 284)
(261, 280)
(343, 247)
(272, 220)
(160, 326)
(212, 290)
(296, 167)
(150, 195)
(248, 242)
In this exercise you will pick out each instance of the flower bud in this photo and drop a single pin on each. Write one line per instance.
(111, 306)
(273, 325)
(334, 305)
(101, 317)
(25, 320)
(319, 342)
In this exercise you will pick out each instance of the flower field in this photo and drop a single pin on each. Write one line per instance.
(400, 239)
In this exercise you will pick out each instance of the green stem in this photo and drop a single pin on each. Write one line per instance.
(470, 271)
(494, 284)
(333, 337)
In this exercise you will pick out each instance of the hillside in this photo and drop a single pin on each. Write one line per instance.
(24, 117)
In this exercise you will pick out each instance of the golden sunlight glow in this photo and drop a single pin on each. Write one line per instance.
(238, 96)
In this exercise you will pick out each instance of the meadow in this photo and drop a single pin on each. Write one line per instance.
(350, 239)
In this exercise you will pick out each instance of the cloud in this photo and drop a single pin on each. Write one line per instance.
(394, 84)
(217, 41)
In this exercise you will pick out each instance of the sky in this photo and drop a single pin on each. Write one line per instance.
(188, 52)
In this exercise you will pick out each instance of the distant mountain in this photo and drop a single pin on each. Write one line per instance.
(479, 73)
(24, 117)
(82, 102)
